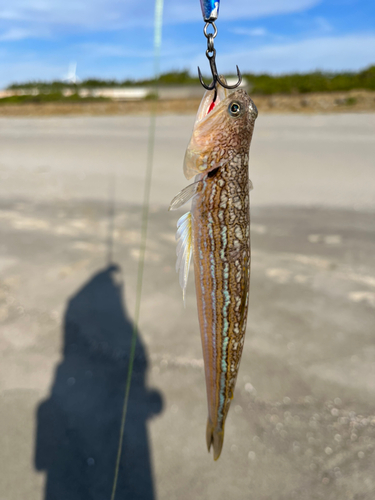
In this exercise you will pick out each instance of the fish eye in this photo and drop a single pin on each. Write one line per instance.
(234, 109)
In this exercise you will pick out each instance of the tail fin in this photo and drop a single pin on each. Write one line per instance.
(214, 437)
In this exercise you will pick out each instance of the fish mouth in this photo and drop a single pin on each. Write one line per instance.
(197, 151)
(209, 103)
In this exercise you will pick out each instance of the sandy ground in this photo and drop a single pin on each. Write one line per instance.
(302, 423)
(353, 101)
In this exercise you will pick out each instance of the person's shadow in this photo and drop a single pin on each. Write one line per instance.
(78, 425)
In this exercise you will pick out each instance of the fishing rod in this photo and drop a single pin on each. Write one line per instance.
(210, 12)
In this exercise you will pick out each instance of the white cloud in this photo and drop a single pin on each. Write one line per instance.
(328, 53)
(15, 34)
(114, 14)
(239, 9)
(8, 14)
(250, 32)
(94, 50)
(323, 25)
(351, 52)
(21, 71)
(103, 50)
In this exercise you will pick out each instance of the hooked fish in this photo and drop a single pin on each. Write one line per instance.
(216, 232)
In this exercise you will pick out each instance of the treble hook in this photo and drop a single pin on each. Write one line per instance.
(211, 56)
(215, 76)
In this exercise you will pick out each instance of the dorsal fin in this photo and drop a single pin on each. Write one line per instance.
(184, 196)
(184, 250)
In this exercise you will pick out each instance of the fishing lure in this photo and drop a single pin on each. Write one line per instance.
(216, 232)
(210, 10)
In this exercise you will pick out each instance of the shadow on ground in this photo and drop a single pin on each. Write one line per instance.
(78, 425)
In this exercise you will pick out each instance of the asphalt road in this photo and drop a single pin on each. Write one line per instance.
(302, 422)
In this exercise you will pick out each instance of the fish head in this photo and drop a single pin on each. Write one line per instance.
(222, 130)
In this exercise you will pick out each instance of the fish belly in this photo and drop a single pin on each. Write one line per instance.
(221, 241)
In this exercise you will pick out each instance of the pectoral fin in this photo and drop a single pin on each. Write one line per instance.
(184, 196)
(184, 250)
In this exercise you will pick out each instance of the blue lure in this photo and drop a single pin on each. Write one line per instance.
(210, 10)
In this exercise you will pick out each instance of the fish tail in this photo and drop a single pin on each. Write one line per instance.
(214, 437)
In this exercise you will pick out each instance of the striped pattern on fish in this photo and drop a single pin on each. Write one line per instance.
(221, 252)
(220, 236)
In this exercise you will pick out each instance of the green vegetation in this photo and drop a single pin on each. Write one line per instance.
(178, 78)
(172, 78)
(312, 82)
(261, 84)
(350, 101)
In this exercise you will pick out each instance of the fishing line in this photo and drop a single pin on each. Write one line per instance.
(159, 4)
(111, 217)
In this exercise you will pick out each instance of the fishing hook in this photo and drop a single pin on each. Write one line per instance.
(211, 56)
(215, 76)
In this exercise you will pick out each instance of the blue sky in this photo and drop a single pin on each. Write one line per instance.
(113, 38)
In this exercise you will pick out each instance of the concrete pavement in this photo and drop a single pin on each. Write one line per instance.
(302, 423)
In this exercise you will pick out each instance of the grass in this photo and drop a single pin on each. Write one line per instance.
(263, 84)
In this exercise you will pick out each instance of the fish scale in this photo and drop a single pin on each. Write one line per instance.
(219, 236)
(221, 266)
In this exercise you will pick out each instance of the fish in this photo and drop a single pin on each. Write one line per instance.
(216, 234)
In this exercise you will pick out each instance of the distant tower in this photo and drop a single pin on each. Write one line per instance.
(72, 77)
